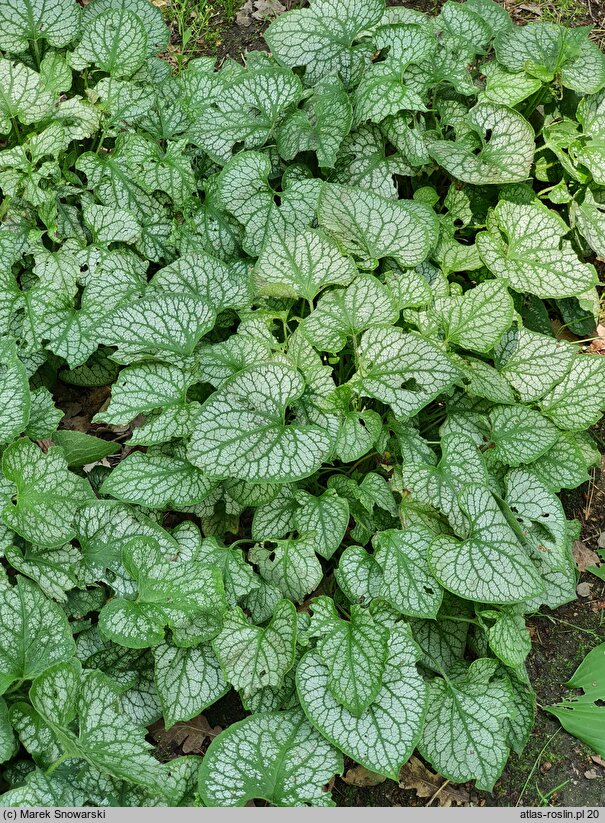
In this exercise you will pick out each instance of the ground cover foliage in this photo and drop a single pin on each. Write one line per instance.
(324, 285)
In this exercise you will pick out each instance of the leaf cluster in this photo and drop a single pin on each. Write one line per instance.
(323, 288)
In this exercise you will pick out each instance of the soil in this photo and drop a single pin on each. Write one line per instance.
(232, 39)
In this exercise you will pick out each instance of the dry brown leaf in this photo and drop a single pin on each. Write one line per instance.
(259, 11)
(266, 9)
(598, 344)
(591, 774)
(562, 332)
(596, 758)
(80, 423)
(45, 444)
(362, 777)
(584, 556)
(189, 737)
(415, 775)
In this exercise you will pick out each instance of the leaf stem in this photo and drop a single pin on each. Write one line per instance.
(17, 130)
(36, 53)
(535, 100)
(56, 764)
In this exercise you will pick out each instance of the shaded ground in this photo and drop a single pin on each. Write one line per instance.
(555, 768)
(233, 26)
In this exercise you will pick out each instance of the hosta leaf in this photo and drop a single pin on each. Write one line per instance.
(157, 481)
(321, 38)
(301, 264)
(520, 434)
(325, 518)
(24, 20)
(296, 763)
(524, 246)
(548, 49)
(320, 125)
(22, 95)
(34, 632)
(188, 681)
(187, 596)
(403, 370)
(533, 362)
(253, 657)
(477, 319)
(354, 651)
(241, 432)
(47, 494)
(115, 41)
(577, 400)
(384, 736)
(464, 735)
(371, 227)
(406, 582)
(246, 111)
(343, 313)
(505, 143)
(15, 399)
(163, 323)
(490, 565)
(289, 565)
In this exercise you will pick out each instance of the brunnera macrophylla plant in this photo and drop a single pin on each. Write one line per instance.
(323, 285)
